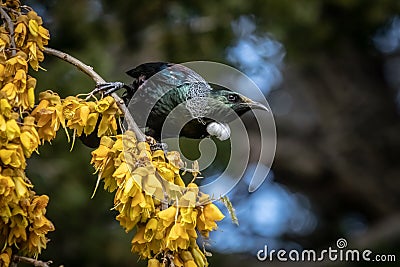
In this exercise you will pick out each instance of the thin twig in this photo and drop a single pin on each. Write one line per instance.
(31, 261)
(88, 70)
(10, 26)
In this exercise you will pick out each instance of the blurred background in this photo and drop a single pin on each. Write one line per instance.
(330, 71)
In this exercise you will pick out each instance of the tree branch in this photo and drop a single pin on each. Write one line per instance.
(88, 70)
(36, 263)
(10, 26)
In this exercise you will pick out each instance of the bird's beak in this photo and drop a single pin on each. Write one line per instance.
(254, 105)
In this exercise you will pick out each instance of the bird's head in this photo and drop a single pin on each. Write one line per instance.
(224, 101)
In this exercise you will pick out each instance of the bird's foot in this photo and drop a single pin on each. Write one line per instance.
(155, 145)
(159, 146)
(107, 88)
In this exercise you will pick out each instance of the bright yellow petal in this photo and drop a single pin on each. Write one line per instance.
(33, 27)
(167, 215)
(13, 130)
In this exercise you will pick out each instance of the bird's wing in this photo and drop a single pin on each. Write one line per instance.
(156, 79)
(164, 73)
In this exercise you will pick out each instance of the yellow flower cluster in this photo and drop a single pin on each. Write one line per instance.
(31, 37)
(23, 225)
(76, 114)
(152, 198)
(16, 85)
(82, 116)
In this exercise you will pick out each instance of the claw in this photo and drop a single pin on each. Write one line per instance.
(108, 88)
(159, 146)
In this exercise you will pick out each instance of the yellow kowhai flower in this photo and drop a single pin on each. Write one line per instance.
(104, 104)
(29, 137)
(35, 244)
(190, 263)
(37, 207)
(153, 263)
(91, 123)
(15, 63)
(20, 90)
(80, 120)
(34, 23)
(5, 213)
(174, 158)
(143, 246)
(129, 216)
(109, 110)
(18, 224)
(177, 237)
(130, 144)
(4, 39)
(2, 72)
(5, 257)
(140, 245)
(167, 216)
(169, 172)
(189, 215)
(207, 218)
(7, 186)
(100, 156)
(189, 198)
(164, 169)
(108, 125)
(31, 37)
(5, 108)
(77, 112)
(153, 186)
(137, 174)
(30, 226)
(177, 261)
(48, 115)
(150, 229)
(132, 207)
(148, 208)
(130, 190)
(70, 106)
(199, 257)
(9, 130)
(20, 33)
(28, 99)
(12, 130)
(186, 256)
(103, 161)
(20, 81)
(22, 186)
(13, 184)
(13, 155)
(10, 91)
(35, 55)
(36, 214)
(144, 154)
(35, 27)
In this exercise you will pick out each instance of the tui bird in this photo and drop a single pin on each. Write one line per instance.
(171, 100)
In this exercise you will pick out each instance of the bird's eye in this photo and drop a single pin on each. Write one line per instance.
(232, 98)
